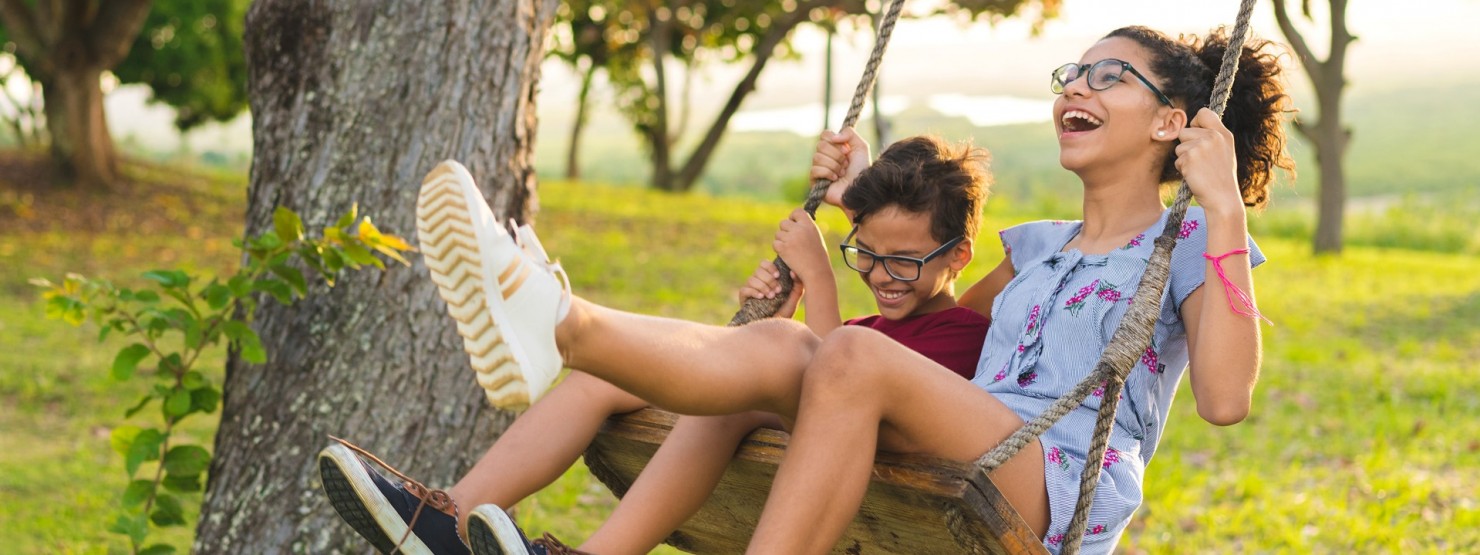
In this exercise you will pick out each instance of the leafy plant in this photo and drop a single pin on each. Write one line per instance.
(178, 317)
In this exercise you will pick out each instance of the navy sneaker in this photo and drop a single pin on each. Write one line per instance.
(403, 518)
(492, 532)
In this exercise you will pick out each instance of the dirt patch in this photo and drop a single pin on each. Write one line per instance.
(149, 199)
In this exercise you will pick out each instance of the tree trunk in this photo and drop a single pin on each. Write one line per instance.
(353, 102)
(693, 167)
(80, 144)
(573, 156)
(1330, 136)
(658, 134)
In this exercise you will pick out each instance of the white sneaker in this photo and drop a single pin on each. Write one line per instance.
(505, 298)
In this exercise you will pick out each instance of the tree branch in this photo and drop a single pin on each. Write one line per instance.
(112, 31)
(21, 23)
(1308, 59)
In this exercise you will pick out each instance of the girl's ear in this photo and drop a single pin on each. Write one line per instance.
(1169, 125)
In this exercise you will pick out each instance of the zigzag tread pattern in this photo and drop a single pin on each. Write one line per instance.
(450, 247)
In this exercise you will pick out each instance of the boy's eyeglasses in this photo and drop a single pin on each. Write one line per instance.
(1102, 75)
(902, 268)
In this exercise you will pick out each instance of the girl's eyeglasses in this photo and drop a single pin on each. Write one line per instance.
(1102, 75)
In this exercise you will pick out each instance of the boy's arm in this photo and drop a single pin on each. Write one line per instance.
(799, 243)
(839, 158)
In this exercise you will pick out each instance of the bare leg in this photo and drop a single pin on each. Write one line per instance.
(686, 367)
(864, 392)
(675, 483)
(542, 444)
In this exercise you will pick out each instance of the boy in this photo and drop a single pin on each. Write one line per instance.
(916, 212)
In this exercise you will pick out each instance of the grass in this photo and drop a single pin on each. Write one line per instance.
(1363, 436)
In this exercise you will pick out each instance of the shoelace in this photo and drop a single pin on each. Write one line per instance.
(534, 251)
(554, 547)
(435, 498)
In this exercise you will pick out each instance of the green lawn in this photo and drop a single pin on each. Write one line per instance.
(1365, 434)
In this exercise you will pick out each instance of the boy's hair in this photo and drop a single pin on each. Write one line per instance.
(926, 175)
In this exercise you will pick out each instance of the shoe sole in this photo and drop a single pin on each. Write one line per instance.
(355, 497)
(452, 248)
(488, 530)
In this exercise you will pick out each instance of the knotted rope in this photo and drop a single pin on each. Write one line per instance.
(757, 309)
(1133, 335)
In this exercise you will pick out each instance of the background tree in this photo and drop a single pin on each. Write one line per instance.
(355, 102)
(588, 40)
(1330, 136)
(187, 51)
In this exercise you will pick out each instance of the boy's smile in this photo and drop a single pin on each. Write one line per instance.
(893, 231)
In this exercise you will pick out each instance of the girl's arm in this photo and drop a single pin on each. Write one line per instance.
(981, 294)
(1224, 346)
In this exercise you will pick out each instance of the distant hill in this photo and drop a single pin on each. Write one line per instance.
(1407, 140)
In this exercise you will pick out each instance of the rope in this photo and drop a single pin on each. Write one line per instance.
(757, 309)
(1134, 333)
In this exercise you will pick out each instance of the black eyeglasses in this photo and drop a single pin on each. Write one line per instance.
(1102, 75)
(902, 268)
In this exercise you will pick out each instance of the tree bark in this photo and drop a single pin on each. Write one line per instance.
(353, 102)
(81, 147)
(1330, 135)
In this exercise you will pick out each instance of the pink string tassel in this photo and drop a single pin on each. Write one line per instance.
(1232, 290)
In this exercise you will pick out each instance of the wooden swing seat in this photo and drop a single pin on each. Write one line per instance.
(915, 504)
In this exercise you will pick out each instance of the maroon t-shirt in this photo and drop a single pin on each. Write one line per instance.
(952, 337)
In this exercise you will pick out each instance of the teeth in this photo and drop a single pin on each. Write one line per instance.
(1079, 114)
(890, 295)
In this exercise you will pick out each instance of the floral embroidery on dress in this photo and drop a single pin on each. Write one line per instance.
(1026, 380)
(1097, 529)
(1006, 248)
(1111, 457)
(1033, 318)
(1108, 292)
(1188, 227)
(1076, 303)
(1150, 359)
(1058, 458)
(1056, 539)
(1135, 242)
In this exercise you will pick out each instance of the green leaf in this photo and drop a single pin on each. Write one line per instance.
(240, 285)
(136, 408)
(186, 460)
(288, 225)
(193, 380)
(128, 360)
(167, 511)
(178, 404)
(146, 296)
(145, 447)
(170, 279)
(277, 288)
(269, 241)
(333, 263)
(158, 549)
(216, 295)
(205, 399)
(361, 255)
(349, 217)
(137, 492)
(122, 437)
(246, 340)
(135, 527)
(169, 366)
(182, 484)
(293, 276)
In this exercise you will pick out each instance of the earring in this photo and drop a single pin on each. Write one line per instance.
(1161, 133)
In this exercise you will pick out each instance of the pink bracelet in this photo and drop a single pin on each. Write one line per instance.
(1232, 290)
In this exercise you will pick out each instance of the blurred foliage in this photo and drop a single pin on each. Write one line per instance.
(190, 55)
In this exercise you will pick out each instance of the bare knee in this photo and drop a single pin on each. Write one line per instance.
(790, 339)
(845, 366)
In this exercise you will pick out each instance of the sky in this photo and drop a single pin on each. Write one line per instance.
(978, 70)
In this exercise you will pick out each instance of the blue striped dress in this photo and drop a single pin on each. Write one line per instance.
(1050, 324)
